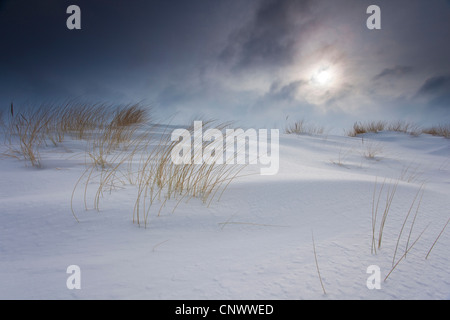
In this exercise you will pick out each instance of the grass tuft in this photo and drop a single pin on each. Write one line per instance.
(301, 127)
(33, 128)
(147, 164)
(317, 264)
(442, 130)
(371, 126)
(439, 131)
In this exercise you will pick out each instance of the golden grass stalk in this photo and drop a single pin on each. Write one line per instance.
(35, 126)
(156, 176)
(372, 150)
(378, 126)
(442, 130)
(389, 198)
(376, 200)
(406, 218)
(301, 127)
(435, 241)
(160, 176)
(317, 264)
(407, 251)
(375, 212)
(30, 128)
(112, 166)
(405, 127)
(371, 126)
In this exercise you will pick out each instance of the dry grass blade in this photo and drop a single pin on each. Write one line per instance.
(378, 126)
(435, 241)
(404, 127)
(301, 127)
(196, 178)
(439, 130)
(317, 264)
(30, 128)
(404, 255)
(404, 222)
(158, 244)
(375, 212)
(372, 126)
(130, 115)
(372, 150)
(35, 126)
(389, 198)
(414, 221)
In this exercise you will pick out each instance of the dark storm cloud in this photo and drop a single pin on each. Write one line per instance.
(122, 46)
(279, 92)
(437, 90)
(435, 85)
(44, 59)
(396, 71)
(227, 56)
(270, 39)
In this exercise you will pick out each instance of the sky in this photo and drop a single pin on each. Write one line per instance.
(261, 63)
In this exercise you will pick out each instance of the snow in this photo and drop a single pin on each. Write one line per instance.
(255, 243)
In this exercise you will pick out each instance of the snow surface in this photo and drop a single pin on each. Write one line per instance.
(255, 243)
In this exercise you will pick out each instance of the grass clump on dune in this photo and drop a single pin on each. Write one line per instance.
(160, 178)
(439, 130)
(121, 149)
(27, 130)
(147, 165)
(371, 126)
(398, 126)
(302, 127)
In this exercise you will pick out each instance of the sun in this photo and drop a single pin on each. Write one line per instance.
(323, 77)
(321, 82)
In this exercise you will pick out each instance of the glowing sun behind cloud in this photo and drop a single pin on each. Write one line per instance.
(322, 81)
(323, 77)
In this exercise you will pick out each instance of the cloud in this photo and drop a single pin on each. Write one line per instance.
(437, 90)
(435, 84)
(395, 71)
(287, 92)
(271, 38)
(254, 59)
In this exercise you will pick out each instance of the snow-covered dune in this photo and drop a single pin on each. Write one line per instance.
(256, 242)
